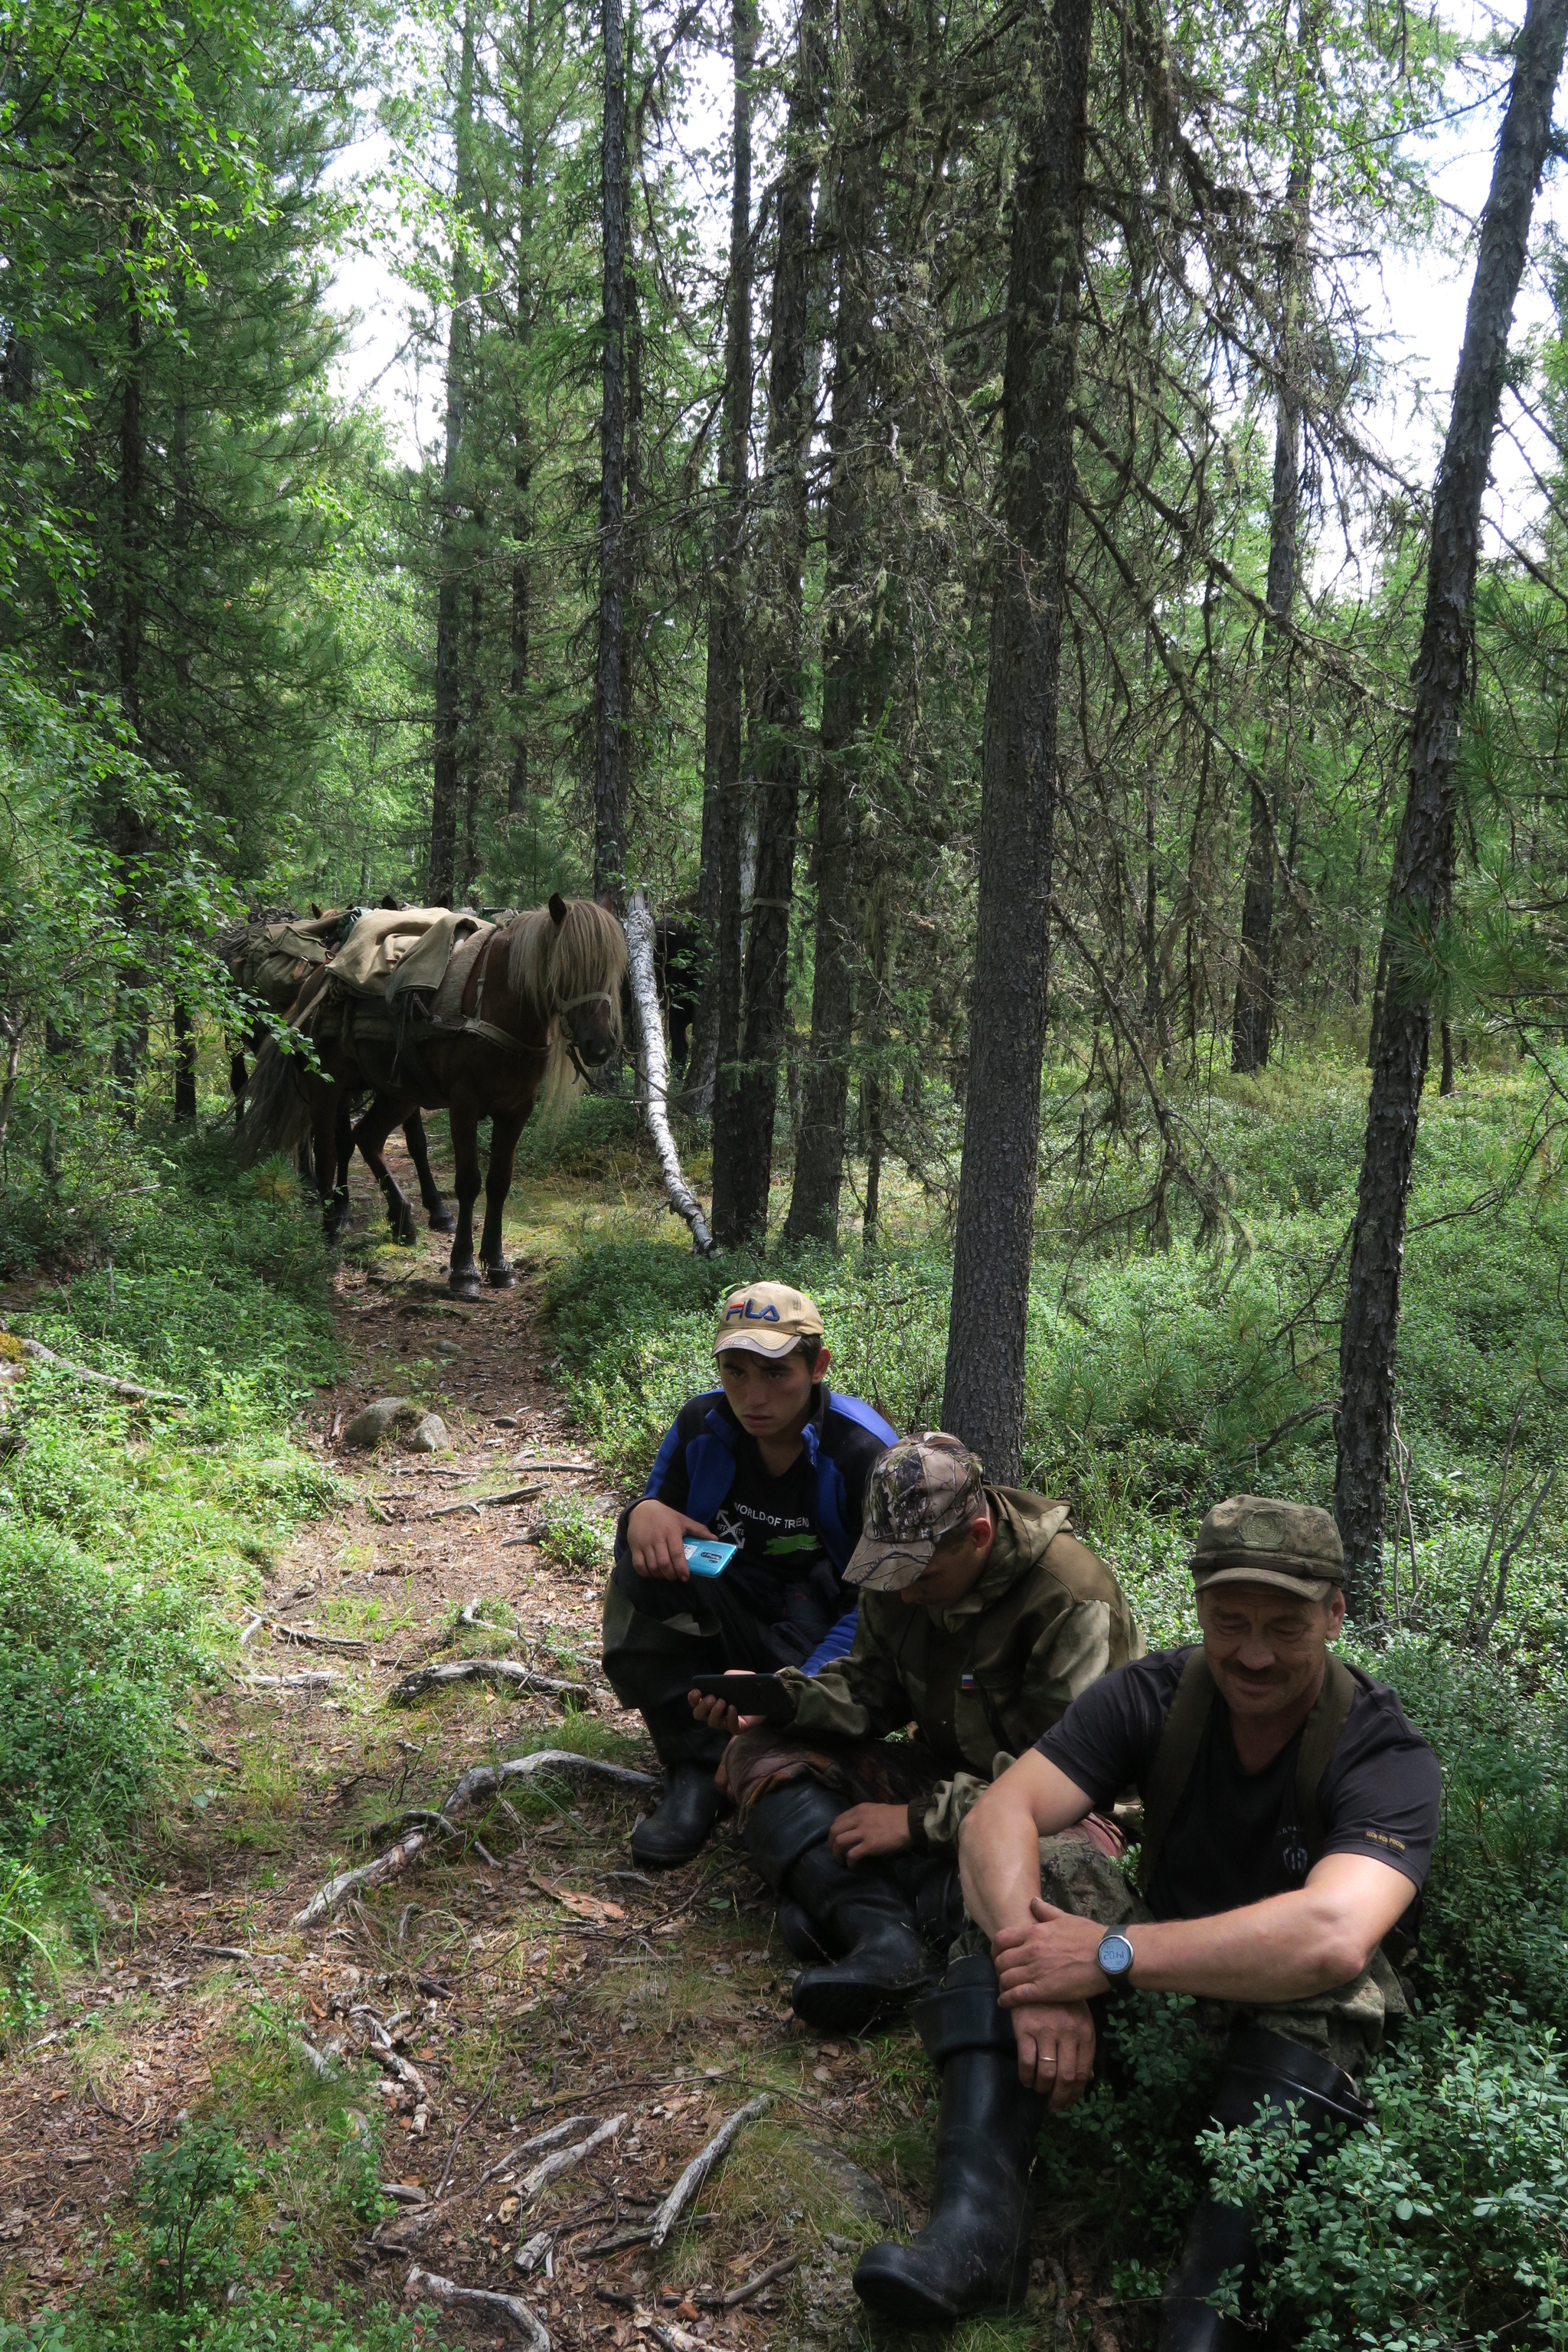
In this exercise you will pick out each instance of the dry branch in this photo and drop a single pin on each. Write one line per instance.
(700, 2166)
(566, 2159)
(131, 1390)
(656, 1071)
(320, 1680)
(509, 1673)
(446, 2292)
(485, 1502)
(484, 1781)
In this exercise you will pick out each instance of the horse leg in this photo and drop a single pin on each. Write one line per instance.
(331, 1173)
(370, 1136)
(505, 1129)
(463, 1280)
(441, 1218)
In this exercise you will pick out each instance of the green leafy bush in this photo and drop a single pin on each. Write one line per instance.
(1447, 2224)
(92, 1665)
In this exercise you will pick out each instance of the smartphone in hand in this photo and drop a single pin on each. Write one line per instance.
(761, 1694)
(705, 1558)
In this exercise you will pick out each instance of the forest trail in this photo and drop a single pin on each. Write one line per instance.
(514, 1982)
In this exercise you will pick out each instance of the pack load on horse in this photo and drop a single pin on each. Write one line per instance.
(425, 1007)
(271, 959)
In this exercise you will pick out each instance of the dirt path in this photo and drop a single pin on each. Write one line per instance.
(508, 1983)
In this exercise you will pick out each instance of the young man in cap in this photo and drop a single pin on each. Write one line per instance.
(772, 1461)
(1290, 1811)
(981, 1619)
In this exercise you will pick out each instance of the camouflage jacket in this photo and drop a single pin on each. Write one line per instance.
(979, 1681)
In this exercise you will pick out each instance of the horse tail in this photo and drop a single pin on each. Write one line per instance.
(277, 1106)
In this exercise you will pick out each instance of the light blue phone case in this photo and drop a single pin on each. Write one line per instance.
(707, 1558)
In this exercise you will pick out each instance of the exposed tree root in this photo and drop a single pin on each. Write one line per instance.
(484, 1781)
(446, 2293)
(700, 2166)
(506, 1672)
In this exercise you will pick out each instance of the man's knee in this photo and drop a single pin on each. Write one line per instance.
(1080, 1871)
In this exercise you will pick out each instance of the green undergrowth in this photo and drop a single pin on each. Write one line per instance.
(1157, 1381)
(125, 1525)
(238, 2227)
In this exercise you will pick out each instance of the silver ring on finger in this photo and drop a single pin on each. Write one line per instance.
(1047, 2062)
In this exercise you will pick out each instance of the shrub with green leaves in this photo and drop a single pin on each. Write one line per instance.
(1447, 2224)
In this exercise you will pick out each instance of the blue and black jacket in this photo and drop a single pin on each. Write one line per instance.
(694, 1470)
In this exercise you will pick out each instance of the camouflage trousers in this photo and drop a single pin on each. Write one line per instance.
(1347, 2024)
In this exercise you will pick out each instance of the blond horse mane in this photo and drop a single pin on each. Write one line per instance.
(555, 965)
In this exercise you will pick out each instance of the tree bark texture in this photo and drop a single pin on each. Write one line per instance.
(1252, 1027)
(1422, 881)
(983, 1399)
(824, 1089)
(717, 1033)
(522, 463)
(444, 793)
(609, 749)
(744, 1102)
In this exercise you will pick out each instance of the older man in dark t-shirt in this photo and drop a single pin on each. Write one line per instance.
(1289, 1812)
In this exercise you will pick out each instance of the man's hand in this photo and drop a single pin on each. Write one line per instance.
(1051, 1959)
(866, 1831)
(718, 1712)
(1056, 2049)
(653, 1538)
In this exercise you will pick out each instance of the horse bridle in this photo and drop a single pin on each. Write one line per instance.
(597, 996)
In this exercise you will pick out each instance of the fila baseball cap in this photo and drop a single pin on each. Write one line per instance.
(766, 1318)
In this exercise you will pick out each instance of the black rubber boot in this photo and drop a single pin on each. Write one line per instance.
(799, 1932)
(974, 2253)
(861, 1913)
(683, 1821)
(1263, 2071)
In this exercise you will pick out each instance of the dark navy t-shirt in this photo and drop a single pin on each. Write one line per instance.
(1234, 1837)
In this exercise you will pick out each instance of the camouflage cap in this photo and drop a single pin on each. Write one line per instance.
(1253, 1540)
(766, 1318)
(920, 1490)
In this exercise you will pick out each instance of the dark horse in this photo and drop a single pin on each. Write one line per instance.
(543, 995)
(681, 958)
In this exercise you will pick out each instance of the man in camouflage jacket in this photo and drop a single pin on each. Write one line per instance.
(981, 1618)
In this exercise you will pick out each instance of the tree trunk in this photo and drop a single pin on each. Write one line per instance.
(443, 864)
(609, 750)
(472, 759)
(825, 1093)
(129, 1052)
(744, 1109)
(716, 1035)
(523, 461)
(1421, 881)
(1252, 1027)
(983, 1399)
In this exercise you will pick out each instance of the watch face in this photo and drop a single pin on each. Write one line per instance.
(1115, 1954)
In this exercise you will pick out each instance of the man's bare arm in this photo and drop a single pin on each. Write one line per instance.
(999, 1843)
(1286, 1947)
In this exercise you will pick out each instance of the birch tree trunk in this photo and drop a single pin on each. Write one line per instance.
(983, 1399)
(656, 1070)
(1422, 883)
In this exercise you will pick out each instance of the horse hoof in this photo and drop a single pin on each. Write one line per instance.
(403, 1231)
(501, 1277)
(442, 1221)
(466, 1285)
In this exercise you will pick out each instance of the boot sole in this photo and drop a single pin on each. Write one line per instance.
(896, 2296)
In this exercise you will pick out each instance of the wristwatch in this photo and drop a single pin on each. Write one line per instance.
(1114, 1958)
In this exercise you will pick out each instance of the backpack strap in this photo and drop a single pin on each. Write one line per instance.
(1185, 1723)
(1320, 1735)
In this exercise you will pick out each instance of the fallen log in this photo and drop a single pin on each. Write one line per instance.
(13, 1345)
(446, 2293)
(700, 2166)
(683, 1202)
(506, 1672)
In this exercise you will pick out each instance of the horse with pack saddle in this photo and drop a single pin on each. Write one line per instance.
(435, 1009)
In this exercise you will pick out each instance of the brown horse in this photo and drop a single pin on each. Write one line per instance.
(543, 996)
(271, 959)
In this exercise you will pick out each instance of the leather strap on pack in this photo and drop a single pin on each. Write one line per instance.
(1183, 1736)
